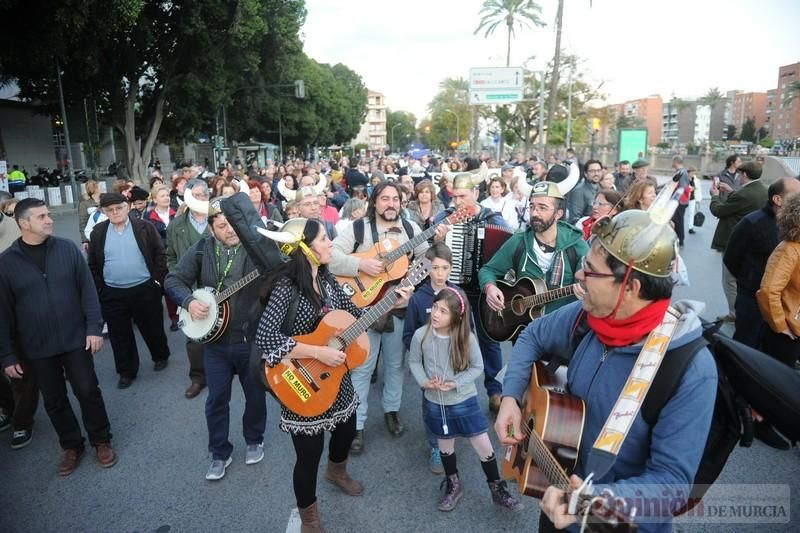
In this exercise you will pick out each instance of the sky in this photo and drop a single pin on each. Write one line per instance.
(636, 48)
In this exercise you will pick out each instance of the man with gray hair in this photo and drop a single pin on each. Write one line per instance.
(186, 229)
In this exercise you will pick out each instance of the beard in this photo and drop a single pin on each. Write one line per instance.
(389, 215)
(539, 224)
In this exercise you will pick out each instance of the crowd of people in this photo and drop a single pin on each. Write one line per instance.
(570, 225)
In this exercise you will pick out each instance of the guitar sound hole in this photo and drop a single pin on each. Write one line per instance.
(567, 454)
(324, 375)
(517, 307)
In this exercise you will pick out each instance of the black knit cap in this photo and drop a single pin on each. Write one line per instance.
(137, 193)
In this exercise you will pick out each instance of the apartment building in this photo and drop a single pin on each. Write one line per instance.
(373, 129)
(785, 120)
(749, 105)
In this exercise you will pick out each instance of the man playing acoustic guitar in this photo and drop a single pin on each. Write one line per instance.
(549, 250)
(381, 223)
(625, 288)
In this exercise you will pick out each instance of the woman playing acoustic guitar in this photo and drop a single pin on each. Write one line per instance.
(305, 277)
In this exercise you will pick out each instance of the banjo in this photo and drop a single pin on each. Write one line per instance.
(213, 326)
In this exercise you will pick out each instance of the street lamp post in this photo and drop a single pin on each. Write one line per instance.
(393, 127)
(458, 130)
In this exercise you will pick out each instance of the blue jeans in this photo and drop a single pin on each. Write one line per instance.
(393, 371)
(222, 361)
(492, 356)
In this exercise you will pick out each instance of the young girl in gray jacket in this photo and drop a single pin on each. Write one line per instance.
(445, 359)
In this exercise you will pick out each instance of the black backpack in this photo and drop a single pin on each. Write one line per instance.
(358, 232)
(731, 422)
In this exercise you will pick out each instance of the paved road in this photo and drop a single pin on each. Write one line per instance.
(159, 486)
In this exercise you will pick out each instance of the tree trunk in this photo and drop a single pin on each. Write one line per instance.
(551, 110)
(138, 156)
(508, 41)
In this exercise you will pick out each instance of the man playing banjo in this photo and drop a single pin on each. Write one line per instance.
(219, 261)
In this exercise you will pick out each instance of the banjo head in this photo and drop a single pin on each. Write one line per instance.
(198, 329)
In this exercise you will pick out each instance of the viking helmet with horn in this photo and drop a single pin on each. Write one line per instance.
(291, 236)
(302, 192)
(644, 240)
(558, 189)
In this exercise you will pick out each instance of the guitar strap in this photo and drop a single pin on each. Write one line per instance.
(609, 441)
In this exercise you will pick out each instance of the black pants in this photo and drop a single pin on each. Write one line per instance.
(197, 371)
(78, 367)
(750, 324)
(309, 451)
(142, 304)
(678, 220)
(19, 398)
(545, 525)
(780, 346)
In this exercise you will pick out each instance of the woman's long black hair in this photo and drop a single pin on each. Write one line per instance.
(298, 270)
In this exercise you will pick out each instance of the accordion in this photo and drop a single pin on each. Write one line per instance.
(472, 245)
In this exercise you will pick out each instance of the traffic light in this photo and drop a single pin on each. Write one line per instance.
(596, 124)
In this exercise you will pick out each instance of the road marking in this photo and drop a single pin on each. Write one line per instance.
(294, 522)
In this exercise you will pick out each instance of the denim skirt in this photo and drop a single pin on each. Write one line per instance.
(464, 419)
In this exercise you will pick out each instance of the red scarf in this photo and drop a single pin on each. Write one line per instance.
(587, 228)
(626, 331)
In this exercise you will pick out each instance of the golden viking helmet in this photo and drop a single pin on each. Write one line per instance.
(636, 239)
(211, 207)
(290, 237)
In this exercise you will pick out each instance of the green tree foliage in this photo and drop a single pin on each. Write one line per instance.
(712, 98)
(791, 92)
(405, 130)
(142, 61)
(519, 13)
(748, 130)
(767, 142)
(730, 132)
(447, 103)
(522, 127)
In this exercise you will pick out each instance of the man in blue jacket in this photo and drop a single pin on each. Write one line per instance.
(625, 293)
(45, 284)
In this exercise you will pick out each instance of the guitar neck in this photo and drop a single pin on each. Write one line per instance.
(236, 287)
(537, 300)
(371, 316)
(397, 253)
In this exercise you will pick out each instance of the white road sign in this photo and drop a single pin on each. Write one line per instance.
(495, 85)
(495, 78)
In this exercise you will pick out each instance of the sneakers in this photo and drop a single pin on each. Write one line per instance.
(5, 422)
(452, 493)
(21, 438)
(435, 461)
(501, 496)
(764, 432)
(217, 469)
(357, 446)
(254, 454)
(160, 365)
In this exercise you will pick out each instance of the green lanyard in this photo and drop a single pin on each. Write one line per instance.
(228, 265)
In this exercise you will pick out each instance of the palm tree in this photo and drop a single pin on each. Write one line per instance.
(522, 13)
(551, 107)
(790, 93)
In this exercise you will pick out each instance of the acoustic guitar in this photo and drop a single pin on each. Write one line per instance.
(309, 387)
(364, 289)
(524, 302)
(213, 326)
(552, 425)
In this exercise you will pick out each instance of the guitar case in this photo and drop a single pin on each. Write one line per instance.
(768, 385)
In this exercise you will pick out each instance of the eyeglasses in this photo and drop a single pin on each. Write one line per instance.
(591, 274)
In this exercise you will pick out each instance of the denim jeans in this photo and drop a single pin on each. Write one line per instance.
(222, 361)
(392, 353)
(490, 351)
